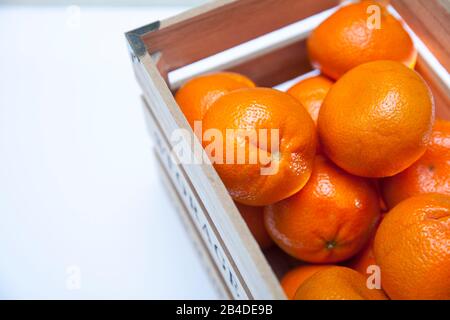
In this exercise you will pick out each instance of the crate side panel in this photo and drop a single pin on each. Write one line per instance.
(214, 31)
(202, 251)
(277, 66)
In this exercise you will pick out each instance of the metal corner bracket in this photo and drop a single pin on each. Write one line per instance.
(134, 38)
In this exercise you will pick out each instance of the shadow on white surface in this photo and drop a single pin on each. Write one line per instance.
(82, 211)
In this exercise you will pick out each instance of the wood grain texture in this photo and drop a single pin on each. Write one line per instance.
(277, 66)
(430, 20)
(223, 27)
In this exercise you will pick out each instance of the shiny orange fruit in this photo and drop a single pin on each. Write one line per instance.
(311, 92)
(412, 248)
(337, 283)
(377, 119)
(292, 280)
(329, 220)
(198, 94)
(431, 173)
(262, 143)
(356, 34)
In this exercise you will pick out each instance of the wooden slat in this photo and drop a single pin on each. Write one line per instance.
(277, 66)
(242, 247)
(430, 20)
(199, 36)
(203, 252)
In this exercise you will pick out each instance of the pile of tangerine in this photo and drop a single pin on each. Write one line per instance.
(363, 179)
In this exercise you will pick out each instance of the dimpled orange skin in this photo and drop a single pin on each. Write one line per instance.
(431, 173)
(377, 119)
(255, 109)
(198, 94)
(295, 277)
(412, 248)
(254, 218)
(337, 283)
(329, 220)
(344, 40)
(311, 92)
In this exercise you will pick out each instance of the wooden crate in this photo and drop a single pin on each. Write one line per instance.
(237, 265)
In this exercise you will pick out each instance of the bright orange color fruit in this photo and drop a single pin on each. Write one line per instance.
(431, 173)
(254, 218)
(352, 36)
(329, 220)
(412, 248)
(377, 119)
(276, 135)
(337, 283)
(292, 280)
(311, 92)
(198, 94)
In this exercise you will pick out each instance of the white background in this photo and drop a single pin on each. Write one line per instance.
(78, 182)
